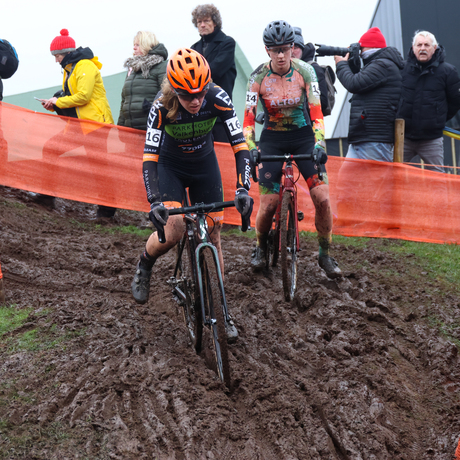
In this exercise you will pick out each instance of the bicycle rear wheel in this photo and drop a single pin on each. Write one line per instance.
(191, 307)
(288, 246)
(212, 303)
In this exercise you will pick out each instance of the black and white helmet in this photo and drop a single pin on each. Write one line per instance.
(278, 33)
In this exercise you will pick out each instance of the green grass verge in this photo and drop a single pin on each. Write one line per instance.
(11, 318)
(36, 339)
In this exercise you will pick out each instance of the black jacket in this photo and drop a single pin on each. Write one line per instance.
(308, 55)
(376, 90)
(430, 96)
(219, 51)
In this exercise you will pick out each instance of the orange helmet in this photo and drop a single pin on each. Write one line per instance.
(188, 71)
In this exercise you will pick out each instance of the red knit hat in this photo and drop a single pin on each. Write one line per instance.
(373, 38)
(62, 44)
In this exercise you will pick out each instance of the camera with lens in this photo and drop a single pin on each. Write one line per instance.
(324, 50)
(353, 49)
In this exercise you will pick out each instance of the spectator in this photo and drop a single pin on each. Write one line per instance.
(8, 62)
(306, 52)
(83, 96)
(146, 70)
(219, 50)
(430, 97)
(376, 90)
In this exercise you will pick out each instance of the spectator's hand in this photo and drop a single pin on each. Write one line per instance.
(340, 58)
(48, 103)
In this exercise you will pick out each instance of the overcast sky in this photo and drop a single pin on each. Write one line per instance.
(108, 28)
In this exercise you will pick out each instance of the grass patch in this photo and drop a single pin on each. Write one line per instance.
(125, 230)
(236, 231)
(39, 339)
(21, 441)
(11, 318)
(445, 329)
(14, 204)
(35, 339)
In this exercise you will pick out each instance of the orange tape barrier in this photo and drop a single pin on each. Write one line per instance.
(102, 164)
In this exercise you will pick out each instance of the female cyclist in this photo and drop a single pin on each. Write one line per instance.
(179, 154)
(289, 92)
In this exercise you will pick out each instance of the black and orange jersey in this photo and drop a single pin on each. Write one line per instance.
(284, 99)
(190, 137)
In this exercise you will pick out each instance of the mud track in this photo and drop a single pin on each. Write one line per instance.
(351, 369)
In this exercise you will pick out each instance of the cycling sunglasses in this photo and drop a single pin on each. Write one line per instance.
(190, 97)
(282, 49)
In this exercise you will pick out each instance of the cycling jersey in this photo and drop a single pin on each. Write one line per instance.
(284, 99)
(189, 138)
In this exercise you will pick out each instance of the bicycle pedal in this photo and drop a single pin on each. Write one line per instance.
(300, 216)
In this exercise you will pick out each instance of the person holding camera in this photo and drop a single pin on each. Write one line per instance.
(306, 52)
(376, 89)
(286, 87)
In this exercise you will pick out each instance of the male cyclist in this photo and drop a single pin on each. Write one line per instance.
(179, 154)
(286, 87)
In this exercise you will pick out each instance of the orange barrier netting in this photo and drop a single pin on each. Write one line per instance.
(102, 164)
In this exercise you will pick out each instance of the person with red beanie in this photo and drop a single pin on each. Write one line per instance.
(82, 96)
(376, 89)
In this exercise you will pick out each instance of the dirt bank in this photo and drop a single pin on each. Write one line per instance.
(354, 369)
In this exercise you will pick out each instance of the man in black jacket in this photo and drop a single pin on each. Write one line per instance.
(219, 50)
(376, 90)
(430, 97)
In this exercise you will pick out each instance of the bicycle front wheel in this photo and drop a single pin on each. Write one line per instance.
(191, 308)
(273, 247)
(288, 246)
(212, 303)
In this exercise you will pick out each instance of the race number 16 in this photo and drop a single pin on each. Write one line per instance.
(153, 137)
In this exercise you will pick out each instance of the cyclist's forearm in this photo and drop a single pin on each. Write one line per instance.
(150, 175)
(317, 121)
(243, 169)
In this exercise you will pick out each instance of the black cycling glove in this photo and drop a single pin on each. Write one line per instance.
(158, 215)
(319, 156)
(244, 204)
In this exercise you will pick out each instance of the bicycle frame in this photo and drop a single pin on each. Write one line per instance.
(287, 183)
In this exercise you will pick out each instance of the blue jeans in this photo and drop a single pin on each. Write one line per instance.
(378, 151)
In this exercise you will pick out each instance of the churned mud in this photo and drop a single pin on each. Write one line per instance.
(351, 369)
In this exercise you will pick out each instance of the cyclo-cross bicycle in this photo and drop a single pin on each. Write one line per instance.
(283, 238)
(198, 285)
